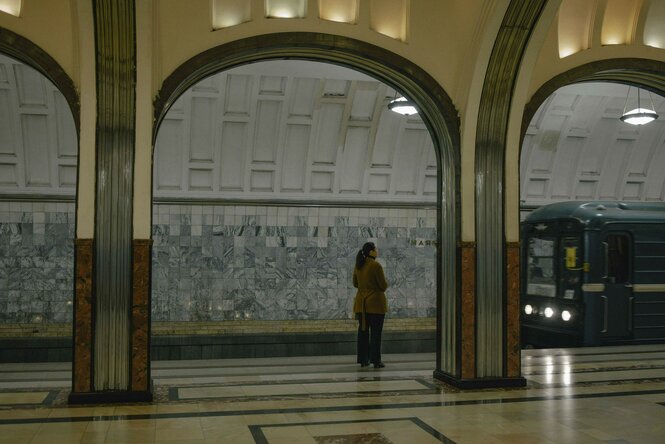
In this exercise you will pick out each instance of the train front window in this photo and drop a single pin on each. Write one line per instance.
(570, 277)
(541, 279)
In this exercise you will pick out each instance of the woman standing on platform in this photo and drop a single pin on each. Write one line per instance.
(370, 305)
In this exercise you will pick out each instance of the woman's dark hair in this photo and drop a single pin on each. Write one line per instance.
(361, 257)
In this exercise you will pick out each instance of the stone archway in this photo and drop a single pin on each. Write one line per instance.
(24, 50)
(648, 74)
(438, 113)
(27, 54)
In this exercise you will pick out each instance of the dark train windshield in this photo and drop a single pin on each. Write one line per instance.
(541, 279)
(554, 266)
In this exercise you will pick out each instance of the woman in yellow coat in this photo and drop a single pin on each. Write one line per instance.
(370, 305)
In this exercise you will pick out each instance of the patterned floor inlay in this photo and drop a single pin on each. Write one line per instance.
(26, 398)
(377, 431)
(366, 438)
(267, 390)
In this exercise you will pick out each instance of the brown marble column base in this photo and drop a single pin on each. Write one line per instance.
(110, 397)
(479, 383)
(83, 316)
(468, 310)
(140, 333)
(513, 345)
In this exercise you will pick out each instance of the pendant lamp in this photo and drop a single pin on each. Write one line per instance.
(639, 115)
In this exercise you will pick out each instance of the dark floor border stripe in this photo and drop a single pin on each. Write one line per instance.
(68, 379)
(156, 368)
(528, 365)
(286, 372)
(429, 384)
(222, 413)
(544, 353)
(51, 370)
(50, 398)
(309, 381)
(260, 438)
(591, 383)
(233, 375)
(322, 364)
(174, 392)
(596, 370)
(326, 395)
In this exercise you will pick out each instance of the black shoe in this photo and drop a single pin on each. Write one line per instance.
(364, 364)
(379, 365)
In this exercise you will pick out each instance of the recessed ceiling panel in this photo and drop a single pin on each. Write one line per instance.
(295, 157)
(232, 159)
(354, 159)
(268, 117)
(328, 130)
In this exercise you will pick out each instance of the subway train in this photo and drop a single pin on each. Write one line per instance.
(593, 274)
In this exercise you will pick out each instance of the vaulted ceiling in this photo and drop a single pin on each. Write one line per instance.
(576, 148)
(319, 132)
(38, 143)
(293, 130)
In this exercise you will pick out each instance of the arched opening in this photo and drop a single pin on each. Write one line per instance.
(438, 117)
(38, 171)
(591, 245)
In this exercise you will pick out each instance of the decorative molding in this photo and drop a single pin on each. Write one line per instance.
(115, 45)
(510, 44)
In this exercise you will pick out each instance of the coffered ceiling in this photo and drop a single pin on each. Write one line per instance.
(308, 131)
(576, 148)
(293, 130)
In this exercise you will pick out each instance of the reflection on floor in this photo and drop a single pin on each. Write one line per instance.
(599, 395)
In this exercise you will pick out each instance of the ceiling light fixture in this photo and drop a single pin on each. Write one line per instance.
(402, 105)
(639, 115)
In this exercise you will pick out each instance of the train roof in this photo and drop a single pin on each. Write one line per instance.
(596, 213)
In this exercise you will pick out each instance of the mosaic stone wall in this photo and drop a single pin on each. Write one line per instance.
(280, 263)
(227, 262)
(36, 262)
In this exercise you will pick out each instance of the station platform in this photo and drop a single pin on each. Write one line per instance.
(583, 395)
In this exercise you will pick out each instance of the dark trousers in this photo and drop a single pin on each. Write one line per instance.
(369, 340)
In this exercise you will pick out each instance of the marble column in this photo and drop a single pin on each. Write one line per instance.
(112, 315)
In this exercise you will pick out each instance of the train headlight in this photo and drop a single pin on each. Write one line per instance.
(528, 309)
(549, 312)
(565, 315)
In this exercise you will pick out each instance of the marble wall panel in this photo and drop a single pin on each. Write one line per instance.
(227, 262)
(282, 263)
(36, 262)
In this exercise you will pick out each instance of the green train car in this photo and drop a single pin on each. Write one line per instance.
(593, 274)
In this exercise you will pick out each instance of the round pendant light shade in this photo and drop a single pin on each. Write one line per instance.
(403, 106)
(639, 116)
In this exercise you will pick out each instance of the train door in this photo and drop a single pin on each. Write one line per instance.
(616, 301)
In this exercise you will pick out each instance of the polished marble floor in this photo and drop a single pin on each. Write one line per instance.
(586, 395)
